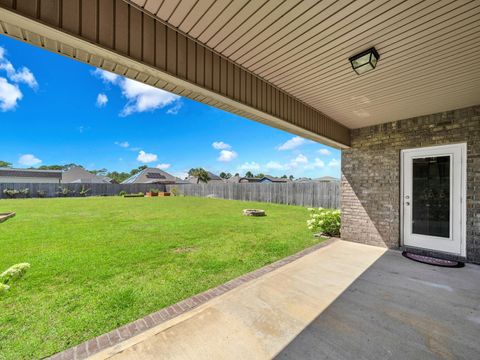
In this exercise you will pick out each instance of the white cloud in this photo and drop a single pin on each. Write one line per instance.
(301, 159)
(316, 164)
(102, 100)
(28, 160)
(163, 166)
(123, 144)
(293, 143)
(220, 145)
(324, 151)
(106, 76)
(140, 97)
(146, 157)
(24, 75)
(334, 163)
(273, 165)
(249, 166)
(175, 108)
(227, 155)
(10, 94)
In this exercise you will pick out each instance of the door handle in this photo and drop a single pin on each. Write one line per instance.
(407, 203)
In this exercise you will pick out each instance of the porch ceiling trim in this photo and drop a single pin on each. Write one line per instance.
(118, 37)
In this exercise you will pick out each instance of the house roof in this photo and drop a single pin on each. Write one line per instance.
(78, 174)
(266, 177)
(57, 174)
(152, 176)
(212, 177)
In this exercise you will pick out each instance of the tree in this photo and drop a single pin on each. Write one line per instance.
(260, 176)
(5, 164)
(225, 175)
(249, 174)
(200, 173)
(284, 177)
(118, 177)
(59, 167)
(237, 174)
(291, 177)
(137, 170)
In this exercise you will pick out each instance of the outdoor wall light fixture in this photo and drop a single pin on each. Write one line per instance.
(365, 61)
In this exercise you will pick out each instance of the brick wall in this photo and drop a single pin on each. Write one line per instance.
(371, 174)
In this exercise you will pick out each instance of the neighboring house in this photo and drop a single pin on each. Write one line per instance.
(153, 176)
(8, 175)
(320, 179)
(212, 178)
(78, 175)
(265, 179)
(233, 179)
(327, 179)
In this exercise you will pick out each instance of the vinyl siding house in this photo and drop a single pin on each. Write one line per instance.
(28, 176)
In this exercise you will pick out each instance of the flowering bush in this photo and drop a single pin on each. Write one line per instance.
(324, 221)
(11, 193)
(14, 272)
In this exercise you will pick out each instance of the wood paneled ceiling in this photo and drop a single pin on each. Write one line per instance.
(429, 50)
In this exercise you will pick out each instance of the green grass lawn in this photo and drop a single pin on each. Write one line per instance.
(98, 263)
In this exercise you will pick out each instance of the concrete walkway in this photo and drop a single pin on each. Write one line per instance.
(258, 319)
(342, 301)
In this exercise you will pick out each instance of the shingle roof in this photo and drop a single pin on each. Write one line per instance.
(57, 174)
(152, 176)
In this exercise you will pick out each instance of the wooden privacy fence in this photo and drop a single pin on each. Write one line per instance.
(312, 194)
(51, 190)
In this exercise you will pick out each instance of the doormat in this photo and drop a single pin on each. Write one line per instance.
(433, 261)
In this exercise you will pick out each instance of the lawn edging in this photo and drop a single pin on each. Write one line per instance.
(114, 337)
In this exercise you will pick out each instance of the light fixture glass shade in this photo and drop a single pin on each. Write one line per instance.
(365, 61)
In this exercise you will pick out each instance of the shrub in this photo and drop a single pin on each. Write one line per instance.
(14, 272)
(122, 193)
(84, 191)
(64, 191)
(175, 191)
(134, 195)
(25, 192)
(324, 221)
(154, 191)
(11, 193)
(41, 193)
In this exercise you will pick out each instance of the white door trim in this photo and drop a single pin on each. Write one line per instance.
(463, 192)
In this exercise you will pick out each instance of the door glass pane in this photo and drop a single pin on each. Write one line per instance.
(431, 196)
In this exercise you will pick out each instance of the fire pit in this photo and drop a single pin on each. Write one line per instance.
(254, 212)
(6, 216)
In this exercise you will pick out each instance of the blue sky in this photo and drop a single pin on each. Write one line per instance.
(54, 110)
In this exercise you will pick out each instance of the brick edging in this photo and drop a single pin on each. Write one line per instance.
(114, 337)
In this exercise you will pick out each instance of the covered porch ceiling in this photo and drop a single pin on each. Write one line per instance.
(280, 62)
(429, 50)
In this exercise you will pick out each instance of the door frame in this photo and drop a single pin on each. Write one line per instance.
(463, 194)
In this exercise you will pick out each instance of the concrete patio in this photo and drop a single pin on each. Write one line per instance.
(342, 301)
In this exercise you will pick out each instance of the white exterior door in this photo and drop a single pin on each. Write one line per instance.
(433, 198)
